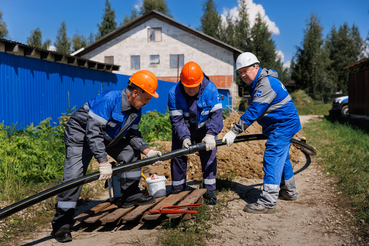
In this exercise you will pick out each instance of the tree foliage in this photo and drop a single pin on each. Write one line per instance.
(129, 18)
(108, 23)
(310, 69)
(46, 44)
(35, 39)
(62, 43)
(3, 30)
(158, 5)
(211, 21)
(344, 46)
(78, 41)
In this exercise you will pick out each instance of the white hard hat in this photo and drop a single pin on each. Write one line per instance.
(246, 59)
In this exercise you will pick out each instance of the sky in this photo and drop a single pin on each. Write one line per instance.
(286, 19)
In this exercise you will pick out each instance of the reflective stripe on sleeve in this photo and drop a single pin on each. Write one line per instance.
(177, 112)
(202, 124)
(275, 106)
(97, 117)
(216, 107)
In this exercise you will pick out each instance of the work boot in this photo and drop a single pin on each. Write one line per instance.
(283, 195)
(143, 200)
(63, 235)
(209, 195)
(257, 208)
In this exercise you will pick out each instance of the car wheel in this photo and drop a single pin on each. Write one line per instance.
(345, 110)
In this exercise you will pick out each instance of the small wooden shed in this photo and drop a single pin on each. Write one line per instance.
(358, 87)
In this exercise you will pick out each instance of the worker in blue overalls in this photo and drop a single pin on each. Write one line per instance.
(196, 116)
(274, 110)
(107, 124)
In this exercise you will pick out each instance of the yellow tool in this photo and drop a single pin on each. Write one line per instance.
(143, 175)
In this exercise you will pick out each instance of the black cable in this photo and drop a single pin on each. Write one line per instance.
(29, 201)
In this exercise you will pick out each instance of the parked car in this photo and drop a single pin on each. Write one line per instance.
(340, 106)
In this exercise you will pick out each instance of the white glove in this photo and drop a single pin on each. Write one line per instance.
(154, 153)
(186, 143)
(105, 171)
(209, 141)
(229, 137)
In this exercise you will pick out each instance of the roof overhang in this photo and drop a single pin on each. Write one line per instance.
(20, 49)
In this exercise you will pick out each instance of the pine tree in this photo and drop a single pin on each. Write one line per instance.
(158, 5)
(344, 47)
(62, 43)
(310, 69)
(78, 42)
(91, 39)
(127, 18)
(3, 30)
(46, 44)
(108, 23)
(211, 22)
(35, 39)
(242, 28)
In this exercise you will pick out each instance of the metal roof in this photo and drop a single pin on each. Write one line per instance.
(358, 64)
(20, 49)
(154, 14)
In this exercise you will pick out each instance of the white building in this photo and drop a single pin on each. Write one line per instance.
(158, 43)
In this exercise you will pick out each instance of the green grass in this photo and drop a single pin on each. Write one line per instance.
(305, 105)
(344, 153)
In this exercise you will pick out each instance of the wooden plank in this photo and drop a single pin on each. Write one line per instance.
(170, 200)
(102, 213)
(115, 215)
(92, 211)
(140, 210)
(190, 199)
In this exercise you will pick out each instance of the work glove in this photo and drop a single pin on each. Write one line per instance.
(105, 171)
(209, 141)
(229, 138)
(186, 143)
(154, 153)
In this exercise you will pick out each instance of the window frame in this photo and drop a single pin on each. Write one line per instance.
(157, 34)
(139, 62)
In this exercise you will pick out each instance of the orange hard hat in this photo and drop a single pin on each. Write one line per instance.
(147, 81)
(191, 75)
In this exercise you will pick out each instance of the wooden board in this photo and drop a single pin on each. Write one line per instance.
(102, 213)
(115, 215)
(134, 214)
(170, 200)
(190, 199)
(92, 211)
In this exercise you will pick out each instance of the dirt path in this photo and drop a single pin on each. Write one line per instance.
(316, 218)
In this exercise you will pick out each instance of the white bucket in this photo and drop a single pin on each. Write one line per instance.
(156, 185)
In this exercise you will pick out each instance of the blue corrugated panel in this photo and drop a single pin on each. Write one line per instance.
(32, 90)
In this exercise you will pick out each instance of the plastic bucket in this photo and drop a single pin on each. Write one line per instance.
(156, 185)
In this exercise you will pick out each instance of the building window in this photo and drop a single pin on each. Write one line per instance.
(176, 61)
(109, 59)
(154, 34)
(135, 62)
(154, 59)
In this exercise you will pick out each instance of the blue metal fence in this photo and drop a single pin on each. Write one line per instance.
(32, 90)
